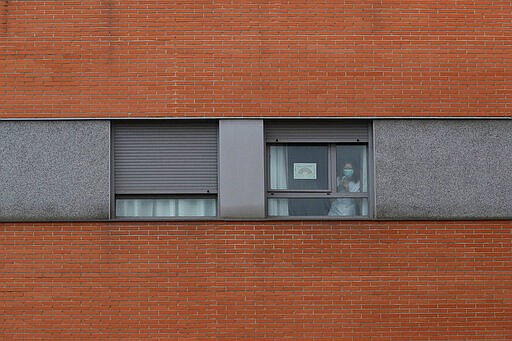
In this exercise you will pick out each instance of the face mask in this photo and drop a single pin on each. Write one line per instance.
(348, 172)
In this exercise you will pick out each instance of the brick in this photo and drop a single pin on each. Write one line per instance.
(98, 59)
(246, 280)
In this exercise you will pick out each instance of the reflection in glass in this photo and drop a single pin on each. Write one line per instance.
(166, 207)
(287, 207)
(343, 207)
(299, 167)
(307, 172)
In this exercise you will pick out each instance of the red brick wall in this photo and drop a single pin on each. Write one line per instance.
(254, 280)
(191, 58)
(255, 58)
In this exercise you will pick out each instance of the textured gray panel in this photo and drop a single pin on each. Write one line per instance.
(54, 170)
(163, 157)
(443, 169)
(316, 131)
(242, 171)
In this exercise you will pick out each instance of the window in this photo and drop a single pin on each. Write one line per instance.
(317, 169)
(165, 169)
(267, 168)
(154, 206)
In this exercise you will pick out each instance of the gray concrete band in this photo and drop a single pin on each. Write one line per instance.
(424, 169)
(443, 169)
(54, 170)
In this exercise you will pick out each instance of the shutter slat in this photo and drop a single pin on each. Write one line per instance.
(165, 157)
(321, 131)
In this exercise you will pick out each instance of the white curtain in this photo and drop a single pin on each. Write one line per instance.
(196, 207)
(278, 180)
(166, 207)
(364, 207)
(364, 183)
(364, 164)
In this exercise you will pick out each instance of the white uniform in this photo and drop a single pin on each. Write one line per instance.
(345, 206)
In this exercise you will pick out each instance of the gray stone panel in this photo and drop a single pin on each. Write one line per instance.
(54, 170)
(443, 169)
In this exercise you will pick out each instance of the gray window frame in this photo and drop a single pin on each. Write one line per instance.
(295, 132)
(332, 143)
(183, 194)
(330, 192)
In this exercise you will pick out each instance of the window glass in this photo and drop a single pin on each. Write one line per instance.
(351, 168)
(178, 207)
(338, 207)
(318, 180)
(299, 167)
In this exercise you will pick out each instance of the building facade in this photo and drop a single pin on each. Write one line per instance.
(336, 170)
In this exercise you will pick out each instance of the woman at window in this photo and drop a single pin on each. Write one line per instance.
(349, 182)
